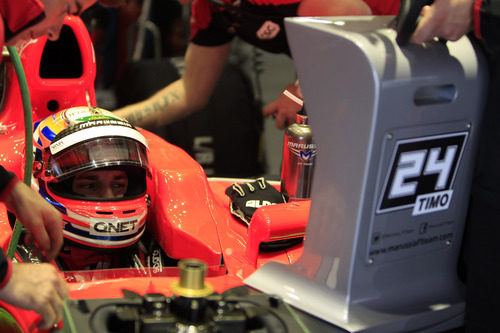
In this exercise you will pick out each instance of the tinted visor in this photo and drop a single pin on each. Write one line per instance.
(97, 153)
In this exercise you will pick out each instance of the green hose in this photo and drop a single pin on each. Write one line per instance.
(28, 140)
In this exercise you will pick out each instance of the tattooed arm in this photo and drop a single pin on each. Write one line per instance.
(203, 66)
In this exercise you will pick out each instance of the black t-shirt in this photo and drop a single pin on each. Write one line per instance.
(215, 22)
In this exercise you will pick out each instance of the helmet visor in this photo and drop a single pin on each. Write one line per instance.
(97, 153)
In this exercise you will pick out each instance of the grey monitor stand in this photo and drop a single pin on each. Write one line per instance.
(396, 131)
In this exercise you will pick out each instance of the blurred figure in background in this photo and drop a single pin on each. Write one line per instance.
(214, 24)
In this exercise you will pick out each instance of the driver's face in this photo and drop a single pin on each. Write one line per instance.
(55, 12)
(104, 184)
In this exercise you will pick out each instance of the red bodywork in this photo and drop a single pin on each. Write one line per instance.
(189, 213)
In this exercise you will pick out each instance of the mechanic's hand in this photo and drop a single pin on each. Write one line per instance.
(284, 109)
(37, 287)
(247, 197)
(447, 19)
(42, 220)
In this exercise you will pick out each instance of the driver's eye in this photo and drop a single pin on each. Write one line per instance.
(86, 186)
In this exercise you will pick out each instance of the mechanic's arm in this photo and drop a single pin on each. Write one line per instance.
(445, 19)
(451, 19)
(284, 109)
(37, 287)
(42, 220)
(203, 66)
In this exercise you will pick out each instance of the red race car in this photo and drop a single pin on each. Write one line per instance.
(188, 214)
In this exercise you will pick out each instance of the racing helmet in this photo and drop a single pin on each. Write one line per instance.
(85, 140)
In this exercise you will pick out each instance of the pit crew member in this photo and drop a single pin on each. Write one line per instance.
(214, 23)
(30, 286)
